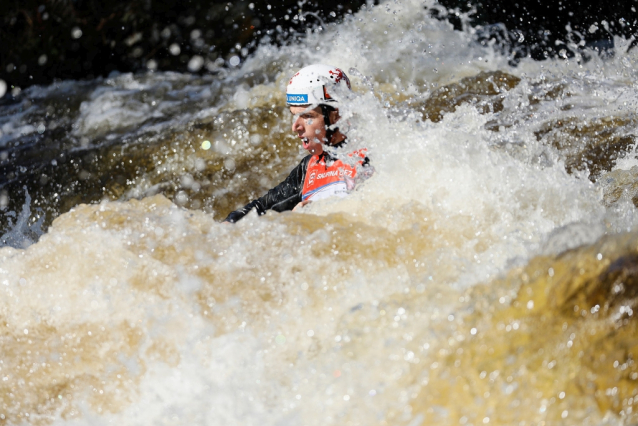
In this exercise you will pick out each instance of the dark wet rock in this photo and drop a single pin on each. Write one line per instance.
(43, 40)
(620, 183)
(481, 90)
(593, 145)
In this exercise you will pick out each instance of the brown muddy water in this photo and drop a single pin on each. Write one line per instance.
(485, 274)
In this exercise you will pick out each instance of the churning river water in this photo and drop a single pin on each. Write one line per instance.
(485, 275)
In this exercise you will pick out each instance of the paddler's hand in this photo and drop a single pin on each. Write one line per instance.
(300, 205)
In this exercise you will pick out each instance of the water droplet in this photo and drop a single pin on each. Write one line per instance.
(174, 49)
(196, 63)
(255, 139)
(181, 198)
(229, 164)
(206, 145)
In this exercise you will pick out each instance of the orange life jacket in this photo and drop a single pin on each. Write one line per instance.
(327, 177)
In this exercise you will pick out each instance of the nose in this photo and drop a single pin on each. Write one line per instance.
(297, 124)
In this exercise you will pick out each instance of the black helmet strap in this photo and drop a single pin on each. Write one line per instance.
(326, 110)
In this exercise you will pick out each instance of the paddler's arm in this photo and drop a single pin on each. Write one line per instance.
(284, 196)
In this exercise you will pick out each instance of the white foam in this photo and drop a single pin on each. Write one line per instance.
(262, 335)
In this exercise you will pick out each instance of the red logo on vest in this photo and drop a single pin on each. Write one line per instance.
(333, 179)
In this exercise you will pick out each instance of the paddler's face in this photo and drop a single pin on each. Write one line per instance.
(309, 126)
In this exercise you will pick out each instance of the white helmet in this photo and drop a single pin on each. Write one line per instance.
(309, 85)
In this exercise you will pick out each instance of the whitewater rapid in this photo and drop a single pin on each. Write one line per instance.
(399, 304)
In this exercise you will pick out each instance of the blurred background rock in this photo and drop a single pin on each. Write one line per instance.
(45, 40)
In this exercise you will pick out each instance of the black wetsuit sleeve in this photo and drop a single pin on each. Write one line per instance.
(282, 197)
